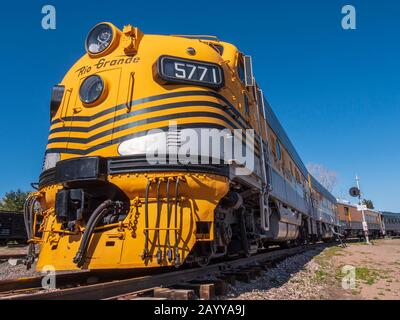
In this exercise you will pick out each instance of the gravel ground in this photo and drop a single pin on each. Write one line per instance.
(8, 271)
(291, 279)
(319, 275)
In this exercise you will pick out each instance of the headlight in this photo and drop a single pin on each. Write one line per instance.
(99, 38)
(91, 89)
(50, 160)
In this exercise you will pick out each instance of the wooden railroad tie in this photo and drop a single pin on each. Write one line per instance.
(174, 294)
(205, 291)
(243, 276)
(220, 286)
(228, 278)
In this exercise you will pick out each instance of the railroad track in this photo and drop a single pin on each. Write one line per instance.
(5, 257)
(20, 248)
(204, 283)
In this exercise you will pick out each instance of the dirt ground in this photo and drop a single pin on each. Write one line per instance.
(377, 270)
(356, 272)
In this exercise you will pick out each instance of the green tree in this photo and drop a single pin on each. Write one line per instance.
(368, 203)
(13, 201)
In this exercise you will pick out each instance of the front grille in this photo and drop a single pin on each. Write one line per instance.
(130, 164)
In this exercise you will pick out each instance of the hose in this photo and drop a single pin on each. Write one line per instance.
(243, 232)
(26, 215)
(28, 221)
(94, 219)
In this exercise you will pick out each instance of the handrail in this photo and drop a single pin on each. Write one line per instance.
(194, 36)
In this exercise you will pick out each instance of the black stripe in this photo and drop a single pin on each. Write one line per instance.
(135, 135)
(139, 112)
(89, 118)
(146, 121)
(130, 136)
(139, 123)
(237, 114)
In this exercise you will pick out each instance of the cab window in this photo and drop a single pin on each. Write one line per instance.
(240, 70)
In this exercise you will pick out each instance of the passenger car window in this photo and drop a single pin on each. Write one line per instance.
(298, 177)
(272, 147)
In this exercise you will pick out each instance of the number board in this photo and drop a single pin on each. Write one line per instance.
(181, 71)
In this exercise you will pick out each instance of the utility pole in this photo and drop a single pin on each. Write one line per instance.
(364, 223)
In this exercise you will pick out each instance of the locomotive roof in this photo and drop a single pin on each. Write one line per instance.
(284, 139)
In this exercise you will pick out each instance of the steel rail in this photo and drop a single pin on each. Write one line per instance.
(108, 290)
(35, 283)
(6, 256)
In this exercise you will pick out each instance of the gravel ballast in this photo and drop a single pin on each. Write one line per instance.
(291, 279)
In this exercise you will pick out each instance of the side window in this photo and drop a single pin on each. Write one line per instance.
(246, 104)
(278, 150)
(298, 176)
(272, 147)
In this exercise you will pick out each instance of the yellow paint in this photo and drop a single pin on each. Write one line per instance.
(198, 196)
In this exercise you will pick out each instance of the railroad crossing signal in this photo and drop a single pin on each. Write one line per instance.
(354, 192)
(362, 207)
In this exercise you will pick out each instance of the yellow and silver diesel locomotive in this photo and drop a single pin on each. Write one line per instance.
(122, 187)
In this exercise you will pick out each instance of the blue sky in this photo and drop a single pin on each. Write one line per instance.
(336, 92)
